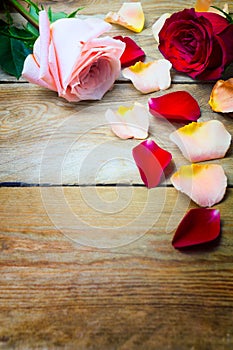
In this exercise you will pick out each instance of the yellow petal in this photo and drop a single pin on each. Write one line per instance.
(202, 141)
(149, 77)
(128, 122)
(130, 16)
(221, 98)
(202, 5)
(205, 184)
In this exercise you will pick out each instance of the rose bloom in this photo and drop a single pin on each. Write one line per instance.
(68, 57)
(199, 44)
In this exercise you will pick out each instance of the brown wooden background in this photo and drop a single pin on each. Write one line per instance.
(128, 288)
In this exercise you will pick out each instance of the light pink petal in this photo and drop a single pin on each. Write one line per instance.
(149, 77)
(158, 25)
(130, 16)
(39, 59)
(128, 122)
(205, 184)
(202, 141)
(221, 98)
(68, 35)
(31, 72)
(97, 68)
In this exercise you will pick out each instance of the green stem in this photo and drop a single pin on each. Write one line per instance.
(25, 13)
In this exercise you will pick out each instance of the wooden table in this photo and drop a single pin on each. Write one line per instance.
(86, 257)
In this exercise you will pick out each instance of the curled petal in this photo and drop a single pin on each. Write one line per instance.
(151, 161)
(128, 122)
(221, 98)
(149, 77)
(158, 25)
(132, 53)
(130, 16)
(205, 184)
(202, 141)
(175, 106)
(199, 225)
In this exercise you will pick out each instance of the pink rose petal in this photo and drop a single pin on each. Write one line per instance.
(198, 226)
(158, 25)
(202, 141)
(151, 161)
(128, 122)
(132, 54)
(130, 16)
(205, 184)
(221, 98)
(149, 77)
(175, 106)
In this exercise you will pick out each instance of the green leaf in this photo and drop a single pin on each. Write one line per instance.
(13, 54)
(73, 14)
(228, 17)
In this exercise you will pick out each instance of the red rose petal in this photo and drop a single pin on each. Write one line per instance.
(219, 23)
(175, 106)
(198, 226)
(151, 161)
(132, 54)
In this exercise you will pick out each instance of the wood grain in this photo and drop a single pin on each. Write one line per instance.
(90, 265)
(45, 139)
(145, 295)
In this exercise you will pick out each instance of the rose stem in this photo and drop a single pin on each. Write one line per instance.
(24, 13)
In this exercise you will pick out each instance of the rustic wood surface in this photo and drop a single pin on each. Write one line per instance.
(86, 259)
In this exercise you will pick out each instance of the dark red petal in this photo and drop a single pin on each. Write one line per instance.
(175, 106)
(198, 226)
(151, 161)
(132, 54)
(219, 23)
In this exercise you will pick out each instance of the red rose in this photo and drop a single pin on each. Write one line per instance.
(197, 43)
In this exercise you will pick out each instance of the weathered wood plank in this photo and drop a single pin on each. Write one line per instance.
(57, 293)
(45, 139)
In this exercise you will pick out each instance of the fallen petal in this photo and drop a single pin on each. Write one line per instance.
(202, 5)
(205, 184)
(130, 16)
(158, 25)
(202, 141)
(149, 77)
(221, 98)
(129, 122)
(199, 225)
(132, 54)
(175, 106)
(151, 161)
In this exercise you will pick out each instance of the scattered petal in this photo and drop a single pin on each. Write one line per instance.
(175, 106)
(158, 25)
(202, 5)
(128, 122)
(149, 77)
(205, 184)
(151, 161)
(205, 6)
(202, 141)
(221, 98)
(130, 16)
(199, 225)
(132, 54)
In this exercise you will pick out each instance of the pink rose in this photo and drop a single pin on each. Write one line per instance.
(68, 57)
